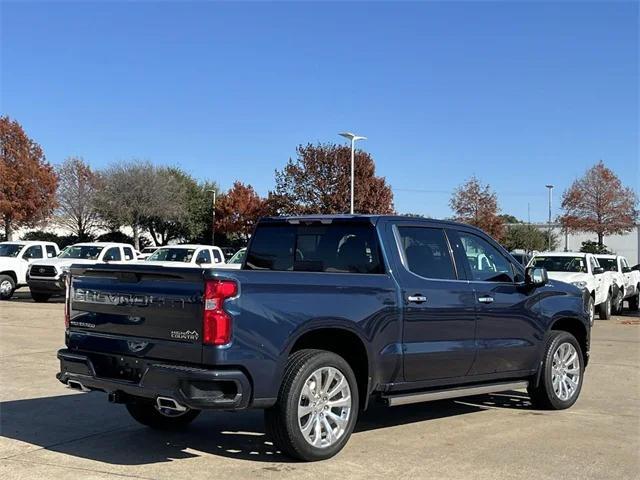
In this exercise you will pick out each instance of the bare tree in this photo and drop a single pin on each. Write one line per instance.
(132, 193)
(77, 189)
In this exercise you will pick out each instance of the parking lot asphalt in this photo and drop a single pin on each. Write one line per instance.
(48, 431)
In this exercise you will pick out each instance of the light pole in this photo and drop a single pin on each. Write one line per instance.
(353, 137)
(550, 188)
(213, 217)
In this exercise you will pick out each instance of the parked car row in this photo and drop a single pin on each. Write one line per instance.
(41, 265)
(607, 278)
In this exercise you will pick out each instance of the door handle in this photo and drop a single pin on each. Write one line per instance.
(486, 299)
(417, 298)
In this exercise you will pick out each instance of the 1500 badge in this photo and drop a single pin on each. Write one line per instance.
(185, 335)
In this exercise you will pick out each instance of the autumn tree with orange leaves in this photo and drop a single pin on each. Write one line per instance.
(599, 203)
(238, 210)
(27, 181)
(319, 179)
(477, 205)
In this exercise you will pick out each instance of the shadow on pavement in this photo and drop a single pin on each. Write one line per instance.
(23, 295)
(85, 426)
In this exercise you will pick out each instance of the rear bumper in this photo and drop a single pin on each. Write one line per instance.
(195, 388)
(53, 286)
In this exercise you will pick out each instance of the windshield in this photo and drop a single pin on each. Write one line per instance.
(561, 264)
(238, 257)
(172, 255)
(86, 252)
(10, 249)
(609, 264)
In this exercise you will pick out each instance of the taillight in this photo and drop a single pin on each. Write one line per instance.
(67, 300)
(216, 323)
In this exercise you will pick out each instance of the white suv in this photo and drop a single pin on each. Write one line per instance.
(583, 271)
(627, 281)
(46, 277)
(15, 258)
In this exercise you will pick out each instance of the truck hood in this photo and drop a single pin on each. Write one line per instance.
(65, 262)
(568, 277)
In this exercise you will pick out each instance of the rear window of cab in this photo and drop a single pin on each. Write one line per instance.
(336, 247)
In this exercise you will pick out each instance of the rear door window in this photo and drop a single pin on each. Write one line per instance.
(426, 252)
(112, 255)
(32, 252)
(339, 247)
(203, 257)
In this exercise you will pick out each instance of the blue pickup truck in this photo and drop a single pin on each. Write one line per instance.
(327, 314)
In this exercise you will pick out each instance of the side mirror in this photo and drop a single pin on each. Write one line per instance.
(536, 276)
(626, 269)
(598, 270)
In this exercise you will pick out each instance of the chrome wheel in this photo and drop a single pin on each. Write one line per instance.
(592, 311)
(5, 287)
(324, 407)
(565, 371)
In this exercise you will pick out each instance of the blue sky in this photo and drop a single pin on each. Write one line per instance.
(520, 94)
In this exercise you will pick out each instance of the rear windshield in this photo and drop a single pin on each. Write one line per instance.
(337, 247)
(172, 255)
(86, 252)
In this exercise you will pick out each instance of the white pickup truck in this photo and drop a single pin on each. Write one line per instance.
(626, 280)
(15, 258)
(187, 256)
(45, 278)
(583, 271)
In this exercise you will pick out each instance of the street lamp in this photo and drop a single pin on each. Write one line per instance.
(550, 188)
(213, 217)
(353, 137)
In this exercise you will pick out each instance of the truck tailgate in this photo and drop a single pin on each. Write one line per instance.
(139, 310)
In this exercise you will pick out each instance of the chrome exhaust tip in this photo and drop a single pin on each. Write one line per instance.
(168, 403)
(76, 385)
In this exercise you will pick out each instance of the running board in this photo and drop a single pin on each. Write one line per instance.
(418, 397)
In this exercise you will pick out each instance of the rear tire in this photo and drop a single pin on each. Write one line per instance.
(605, 308)
(40, 297)
(146, 413)
(618, 302)
(634, 301)
(7, 287)
(317, 406)
(562, 363)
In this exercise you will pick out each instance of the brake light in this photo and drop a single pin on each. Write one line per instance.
(67, 301)
(216, 323)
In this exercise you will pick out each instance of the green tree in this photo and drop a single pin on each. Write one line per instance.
(589, 246)
(528, 238)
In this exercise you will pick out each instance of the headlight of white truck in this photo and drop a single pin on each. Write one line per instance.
(580, 284)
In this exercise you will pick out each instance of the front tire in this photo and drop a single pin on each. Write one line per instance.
(146, 413)
(317, 406)
(562, 373)
(7, 287)
(618, 302)
(40, 297)
(605, 308)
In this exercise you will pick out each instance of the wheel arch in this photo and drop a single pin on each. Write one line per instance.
(12, 274)
(576, 328)
(346, 343)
